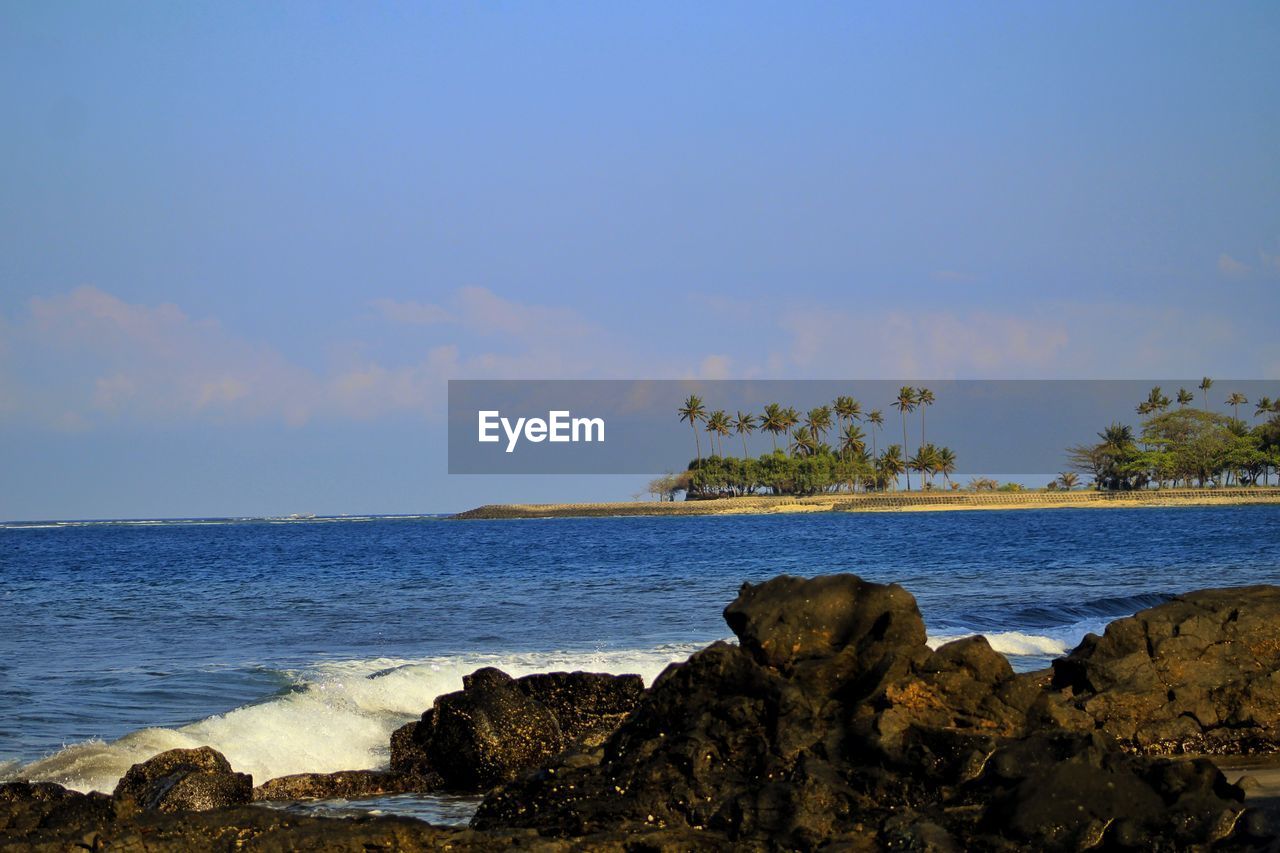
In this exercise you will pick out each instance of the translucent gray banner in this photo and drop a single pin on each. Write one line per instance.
(1013, 427)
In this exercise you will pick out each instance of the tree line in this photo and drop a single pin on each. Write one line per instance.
(1185, 446)
(822, 450)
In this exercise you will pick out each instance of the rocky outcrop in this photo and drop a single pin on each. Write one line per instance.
(833, 723)
(1197, 674)
(497, 726)
(182, 780)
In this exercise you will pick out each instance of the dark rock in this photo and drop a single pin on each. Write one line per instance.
(182, 780)
(787, 620)
(26, 807)
(488, 733)
(588, 706)
(1061, 790)
(345, 784)
(1197, 674)
(497, 727)
(833, 724)
(409, 746)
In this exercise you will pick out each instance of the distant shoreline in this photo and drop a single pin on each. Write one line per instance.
(883, 502)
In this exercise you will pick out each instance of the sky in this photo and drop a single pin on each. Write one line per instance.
(243, 246)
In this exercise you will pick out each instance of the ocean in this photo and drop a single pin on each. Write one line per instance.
(298, 645)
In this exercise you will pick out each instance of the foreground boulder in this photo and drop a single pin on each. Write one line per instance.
(833, 723)
(497, 726)
(1197, 674)
(182, 780)
(29, 807)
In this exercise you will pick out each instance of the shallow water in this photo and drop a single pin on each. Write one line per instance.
(299, 646)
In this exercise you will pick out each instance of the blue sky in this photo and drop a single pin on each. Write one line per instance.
(242, 246)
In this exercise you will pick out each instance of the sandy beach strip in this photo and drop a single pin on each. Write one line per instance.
(885, 502)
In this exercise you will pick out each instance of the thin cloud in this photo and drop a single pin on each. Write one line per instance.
(1228, 265)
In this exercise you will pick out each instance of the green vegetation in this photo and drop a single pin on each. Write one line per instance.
(825, 450)
(1186, 446)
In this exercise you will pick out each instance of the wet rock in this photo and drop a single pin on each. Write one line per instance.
(182, 780)
(588, 706)
(497, 726)
(833, 724)
(26, 807)
(1197, 674)
(345, 784)
(409, 746)
(489, 732)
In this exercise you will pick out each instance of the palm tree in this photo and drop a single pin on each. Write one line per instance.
(847, 409)
(876, 419)
(773, 422)
(718, 425)
(906, 402)
(1156, 402)
(946, 463)
(1068, 479)
(853, 442)
(891, 464)
(824, 420)
(923, 462)
(803, 443)
(1264, 406)
(694, 412)
(790, 417)
(744, 425)
(924, 398)
(1185, 397)
(1205, 385)
(1236, 400)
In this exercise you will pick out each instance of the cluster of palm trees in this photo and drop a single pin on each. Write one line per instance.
(1157, 402)
(806, 437)
(1186, 445)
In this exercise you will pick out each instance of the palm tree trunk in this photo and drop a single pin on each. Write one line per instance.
(906, 471)
(697, 442)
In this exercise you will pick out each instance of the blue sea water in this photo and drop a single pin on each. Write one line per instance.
(300, 645)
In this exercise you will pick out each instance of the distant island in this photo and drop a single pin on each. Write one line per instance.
(824, 460)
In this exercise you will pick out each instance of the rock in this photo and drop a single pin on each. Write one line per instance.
(497, 727)
(409, 746)
(344, 784)
(1062, 790)
(182, 780)
(1197, 674)
(26, 807)
(588, 706)
(488, 733)
(787, 620)
(833, 724)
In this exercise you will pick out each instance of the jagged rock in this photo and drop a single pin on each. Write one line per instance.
(488, 732)
(182, 780)
(26, 807)
(833, 724)
(409, 746)
(345, 784)
(588, 706)
(1061, 790)
(497, 726)
(1197, 674)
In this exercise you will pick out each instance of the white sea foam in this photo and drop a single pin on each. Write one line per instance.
(339, 717)
(1013, 643)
